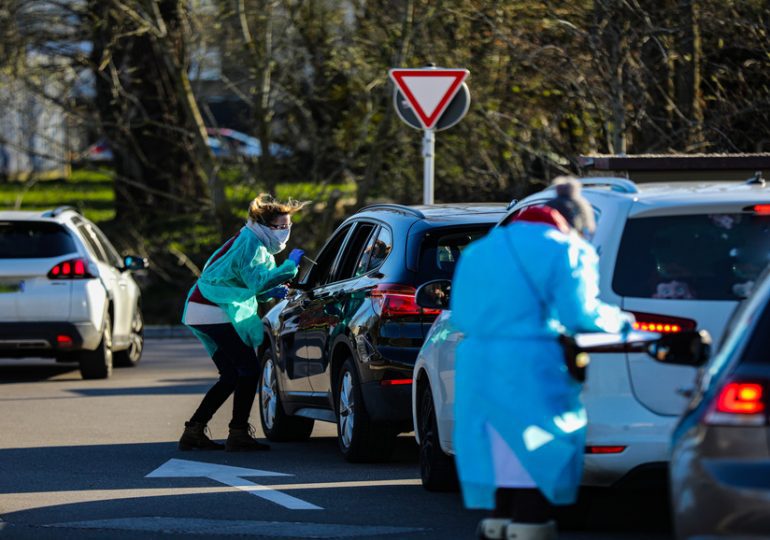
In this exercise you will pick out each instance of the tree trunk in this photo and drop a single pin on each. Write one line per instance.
(163, 165)
(689, 96)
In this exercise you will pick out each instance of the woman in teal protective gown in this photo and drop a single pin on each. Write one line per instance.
(519, 421)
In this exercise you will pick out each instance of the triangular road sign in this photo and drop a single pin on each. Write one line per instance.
(429, 90)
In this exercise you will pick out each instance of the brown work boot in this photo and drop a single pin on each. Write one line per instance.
(242, 440)
(195, 438)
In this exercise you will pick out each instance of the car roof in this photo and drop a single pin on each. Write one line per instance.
(654, 197)
(55, 214)
(436, 213)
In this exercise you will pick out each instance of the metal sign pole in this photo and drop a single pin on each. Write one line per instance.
(428, 151)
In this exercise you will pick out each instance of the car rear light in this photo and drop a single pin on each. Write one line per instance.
(64, 341)
(662, 324)
(604, 449)
(72, 269)
(393, 300)
(761, 209)
(395, 382)
(739, 403)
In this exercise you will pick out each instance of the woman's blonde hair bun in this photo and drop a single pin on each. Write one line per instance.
(265, 208)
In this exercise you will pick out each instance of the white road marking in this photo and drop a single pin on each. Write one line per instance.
(231, 476)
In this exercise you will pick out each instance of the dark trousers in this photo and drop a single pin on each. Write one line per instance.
(522, 505)
(238, 374)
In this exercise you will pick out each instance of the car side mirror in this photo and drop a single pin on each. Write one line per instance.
(134, 262)
(691, 348)
(434, 294)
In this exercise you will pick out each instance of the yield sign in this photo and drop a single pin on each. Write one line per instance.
(429, 91)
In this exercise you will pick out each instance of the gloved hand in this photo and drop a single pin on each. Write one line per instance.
(278, 292)
(296, 256)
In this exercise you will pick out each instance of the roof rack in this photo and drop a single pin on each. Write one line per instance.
(621, 185)
(58, 210)
(399, 208)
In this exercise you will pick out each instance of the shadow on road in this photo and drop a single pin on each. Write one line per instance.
(36, 372)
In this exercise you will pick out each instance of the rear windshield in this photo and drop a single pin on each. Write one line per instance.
(707, 257)
(33, 240)
(441, 249)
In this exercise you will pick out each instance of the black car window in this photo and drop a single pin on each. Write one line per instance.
(109, 249)
(759, 341)
(354, 250)
(377, 250)
(320, 273)
(34, 240)
(91, 242)
(704, 256)
(441, 249)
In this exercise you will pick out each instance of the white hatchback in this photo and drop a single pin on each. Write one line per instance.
(66, 293)
(679, 256)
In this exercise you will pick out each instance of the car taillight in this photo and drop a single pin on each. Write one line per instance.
(739, 403)
(760, 209)
(393, 300)
(72, 269)
(605, 449)
(663, 324)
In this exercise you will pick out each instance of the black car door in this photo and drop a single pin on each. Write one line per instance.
(298, 315)
(332, 307)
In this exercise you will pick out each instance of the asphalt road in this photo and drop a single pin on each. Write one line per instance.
(98, 459)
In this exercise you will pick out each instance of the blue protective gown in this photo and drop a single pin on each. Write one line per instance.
(510, 369)
(236, 281)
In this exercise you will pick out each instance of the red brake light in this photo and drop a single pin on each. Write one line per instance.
(604, 449)
(395, 382)
(663, 324)
(72, 269)
(392, 300)
(739, 403)
(741, 398)
(761, 209)
(63, 340)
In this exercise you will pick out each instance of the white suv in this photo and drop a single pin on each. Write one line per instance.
(66, 293)
(678, 256)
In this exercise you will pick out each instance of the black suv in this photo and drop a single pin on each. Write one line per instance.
(341, 348)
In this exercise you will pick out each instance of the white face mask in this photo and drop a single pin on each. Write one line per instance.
(281, 235)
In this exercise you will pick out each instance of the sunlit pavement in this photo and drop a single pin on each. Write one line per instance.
(98, 459)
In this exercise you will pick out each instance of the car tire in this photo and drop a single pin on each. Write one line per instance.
(130, 357)
(276, 424)
(360, 439)
(437, 469)
(97, 364)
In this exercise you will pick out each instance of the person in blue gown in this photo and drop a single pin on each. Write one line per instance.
(519, 421)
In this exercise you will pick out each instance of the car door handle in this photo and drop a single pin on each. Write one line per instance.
(686, 391)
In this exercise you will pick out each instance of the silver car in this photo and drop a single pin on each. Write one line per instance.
(720, 461)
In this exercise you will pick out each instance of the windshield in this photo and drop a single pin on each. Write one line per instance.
(706, 257)
(33, 240)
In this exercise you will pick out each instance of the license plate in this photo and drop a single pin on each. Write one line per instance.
(10, 287)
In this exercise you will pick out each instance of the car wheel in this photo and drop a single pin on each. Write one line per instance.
(437, 469)
(276, 424)
(131, 356)
(359, 439)
(97, 364)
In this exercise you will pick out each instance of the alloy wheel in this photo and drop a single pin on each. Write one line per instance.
(268, 394)
(347, 409)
